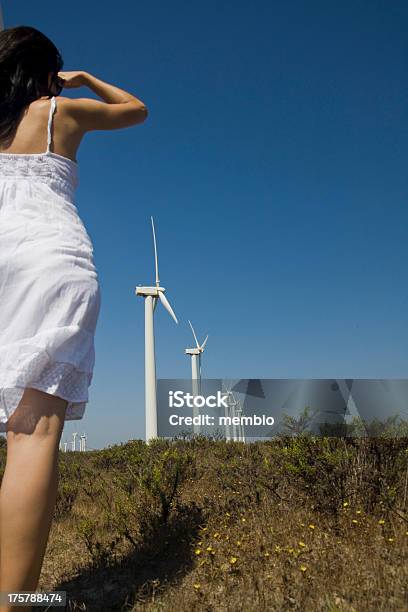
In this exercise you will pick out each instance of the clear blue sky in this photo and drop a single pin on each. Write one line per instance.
(274, 161)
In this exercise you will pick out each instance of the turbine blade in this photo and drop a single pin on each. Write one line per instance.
(195, 337)
(156, 263)
(205, 342)
(1, 19)
(154, 304)
(167, 306)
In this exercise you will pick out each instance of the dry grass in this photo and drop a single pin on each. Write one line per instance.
(293, 524)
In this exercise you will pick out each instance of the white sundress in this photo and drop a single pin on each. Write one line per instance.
(49, 288)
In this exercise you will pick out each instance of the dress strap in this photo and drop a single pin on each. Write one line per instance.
(50, 116)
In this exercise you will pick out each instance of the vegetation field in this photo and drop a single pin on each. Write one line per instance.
(298, 523)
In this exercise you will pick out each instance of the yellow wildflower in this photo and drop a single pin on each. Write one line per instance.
(311, 527)
(390, 539)
(303, 568)
(266, 554)
(302, 544)
(233, 560)
(216, 534)
(209, 548)
(197, 586)
(358, 511)
(238, 542)
(354, 521)
(381, 522)
(243, 520)
(345, 504)
(198, 551)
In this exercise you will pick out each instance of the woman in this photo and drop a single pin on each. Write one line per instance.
(49, 288)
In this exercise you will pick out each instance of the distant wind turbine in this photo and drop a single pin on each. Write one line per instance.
(151, 296)
(195, 354)
(234, 410)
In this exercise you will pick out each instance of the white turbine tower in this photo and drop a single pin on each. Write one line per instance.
(238, 411)
(151, 295)
(195, 354)
(234, 410)
(65, 446)
(74, 435)
(227, 416)
(82, 446)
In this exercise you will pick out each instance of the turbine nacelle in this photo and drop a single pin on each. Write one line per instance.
(192, 351)
(153, 291)
(229, 396)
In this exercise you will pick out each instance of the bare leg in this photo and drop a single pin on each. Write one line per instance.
(29, 489)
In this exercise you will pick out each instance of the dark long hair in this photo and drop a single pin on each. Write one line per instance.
(27, 57)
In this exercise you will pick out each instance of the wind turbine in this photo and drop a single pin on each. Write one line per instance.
(234, 410)
(241, 430)
(227, 415)
(151, 295)
(196, 357)
(195, 354)
(82, 446)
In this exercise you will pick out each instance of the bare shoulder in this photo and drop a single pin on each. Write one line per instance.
(69, 106)
(91, 114)
(63, 100)
(43, 105)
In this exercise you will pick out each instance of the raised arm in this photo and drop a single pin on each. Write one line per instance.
(120, 109)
